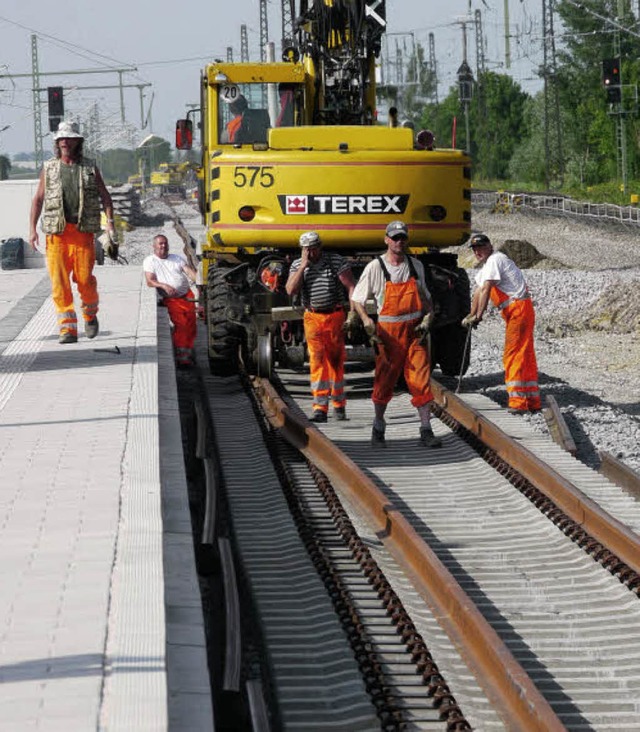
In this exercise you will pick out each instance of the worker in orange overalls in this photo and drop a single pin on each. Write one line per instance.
(70, 191)
(320, 278)
(502, 282)
(405, 315)
(172, 276)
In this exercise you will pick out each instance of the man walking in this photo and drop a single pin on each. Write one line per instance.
(320, 277)
(70, 190)
(172, 276)
(502, 282)
(397, 283)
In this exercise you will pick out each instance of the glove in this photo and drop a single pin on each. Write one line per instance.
(112, 246)
(370, 330)
(470, 321)
(425, 324)
(350, 323)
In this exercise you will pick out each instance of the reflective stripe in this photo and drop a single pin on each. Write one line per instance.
(399, 318)
(522, 383)
(511, 300)
(322, 400)
(518, 393)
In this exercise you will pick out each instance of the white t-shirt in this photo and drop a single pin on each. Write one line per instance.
(372, 281)
(508, 276)
(169, 271)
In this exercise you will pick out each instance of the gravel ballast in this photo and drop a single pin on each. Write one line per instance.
(587, 330)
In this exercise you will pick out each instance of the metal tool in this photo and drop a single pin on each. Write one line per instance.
(464, 358)
(115, 350)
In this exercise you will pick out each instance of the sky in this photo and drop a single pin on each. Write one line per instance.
(168, 45)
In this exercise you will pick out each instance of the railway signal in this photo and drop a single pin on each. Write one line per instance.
(611, 79)
(55, 98)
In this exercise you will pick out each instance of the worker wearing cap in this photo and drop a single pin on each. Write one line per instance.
(69, 194)
(321, 278)
(501, 281)
(405, 314)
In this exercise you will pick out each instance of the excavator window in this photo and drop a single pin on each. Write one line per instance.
(246, 115)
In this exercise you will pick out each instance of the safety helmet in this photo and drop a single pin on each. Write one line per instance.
(310, 239)
(479, 240)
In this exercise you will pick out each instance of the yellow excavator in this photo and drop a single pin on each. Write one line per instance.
(293, 145)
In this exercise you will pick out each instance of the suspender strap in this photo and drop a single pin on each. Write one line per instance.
(385, 271)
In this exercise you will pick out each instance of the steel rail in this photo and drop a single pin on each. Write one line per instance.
(619, 473)
(558, 428)
(497, 671)
(611, 533)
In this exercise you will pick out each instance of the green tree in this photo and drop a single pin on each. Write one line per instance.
(589, 38)
(118, 164)
(499, 123)
(5, 167)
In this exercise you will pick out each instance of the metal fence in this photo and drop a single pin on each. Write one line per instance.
(553, 205)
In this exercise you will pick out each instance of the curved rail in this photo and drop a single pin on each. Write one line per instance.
(496, 669)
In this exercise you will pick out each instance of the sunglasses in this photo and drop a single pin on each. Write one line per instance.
(399, 237)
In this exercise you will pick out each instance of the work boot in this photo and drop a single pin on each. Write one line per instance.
(341, 413)
(318, 416)
(91, 327)
(377, 437)
(68, 337)
(428, 439)
(515, 410)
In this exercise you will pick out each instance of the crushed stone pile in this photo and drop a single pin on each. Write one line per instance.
(521, 251)
(617, 310)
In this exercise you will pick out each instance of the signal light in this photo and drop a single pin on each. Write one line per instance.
(611, 79)
(55, 96)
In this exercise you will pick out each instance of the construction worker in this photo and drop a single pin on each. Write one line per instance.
(502, 282)
(237, 108)
(405, 314)
(320, 277)
(71, 190)
(172, 276)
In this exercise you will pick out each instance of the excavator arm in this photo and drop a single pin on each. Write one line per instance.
(340, 40)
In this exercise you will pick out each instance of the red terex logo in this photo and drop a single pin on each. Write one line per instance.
(296, 204)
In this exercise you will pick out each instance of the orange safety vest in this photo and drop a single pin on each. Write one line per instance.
(233, 126)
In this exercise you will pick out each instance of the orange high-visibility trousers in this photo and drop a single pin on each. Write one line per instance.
(182, 312)
(519, 358)
(71, 255)
(401, 349)
(325, 342)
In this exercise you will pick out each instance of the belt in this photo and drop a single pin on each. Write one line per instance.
(326, 311)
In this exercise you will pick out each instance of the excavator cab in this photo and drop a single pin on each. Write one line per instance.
(246, 112)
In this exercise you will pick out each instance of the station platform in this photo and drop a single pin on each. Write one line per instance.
(100, 614)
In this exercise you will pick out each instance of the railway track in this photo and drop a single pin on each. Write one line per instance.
(481, 586)
(416, 589)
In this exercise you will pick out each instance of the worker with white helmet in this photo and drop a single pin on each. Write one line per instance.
(321, 278)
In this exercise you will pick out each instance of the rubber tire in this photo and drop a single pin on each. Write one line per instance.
(223, 340)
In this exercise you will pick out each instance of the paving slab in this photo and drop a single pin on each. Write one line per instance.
(93, 589)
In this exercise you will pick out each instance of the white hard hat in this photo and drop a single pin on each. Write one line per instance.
(67, 130)
(310, 239)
